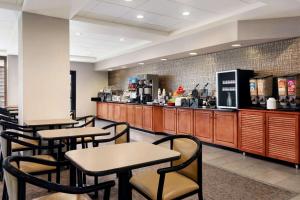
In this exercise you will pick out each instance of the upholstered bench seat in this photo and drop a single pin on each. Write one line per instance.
(64, 196)
(175, 184)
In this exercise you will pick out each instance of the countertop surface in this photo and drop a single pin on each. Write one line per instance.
(258, 108)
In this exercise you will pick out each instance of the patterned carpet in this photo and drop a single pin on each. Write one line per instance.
(218, 184)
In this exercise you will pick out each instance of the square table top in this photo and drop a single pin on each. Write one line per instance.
(117, 157)
(49, 122)
(72, 133)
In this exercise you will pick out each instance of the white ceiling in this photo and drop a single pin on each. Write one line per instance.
(101, 23)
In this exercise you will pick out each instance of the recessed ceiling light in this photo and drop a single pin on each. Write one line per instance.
(163, 59)
(124, 67)
(186, 13)
(78, 33)
(122, 39)
(109, 70)
(193, 53)
(141, 63)
(128, 0)
(236, 45)
(140, 16)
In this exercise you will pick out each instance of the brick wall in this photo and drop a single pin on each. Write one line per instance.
(275, 58)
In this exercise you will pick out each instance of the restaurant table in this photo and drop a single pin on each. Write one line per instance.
(120, 159)
(72, 134)
(50, 122)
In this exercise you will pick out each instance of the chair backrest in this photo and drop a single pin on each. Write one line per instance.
(11, 183)
(90, 121)
(187, 147)
(5, 145)
(122, 129)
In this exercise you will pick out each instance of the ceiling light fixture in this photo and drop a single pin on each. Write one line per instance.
(193, 53)
(163, 59)
(128, 0)
(122, 39)
(141, 63)
(78, 33)
(124, 67)
(140, 16)
(186, 13)
(236, 45)
(109, 70)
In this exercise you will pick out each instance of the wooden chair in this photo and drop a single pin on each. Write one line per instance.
(8, 138)
(182, 179)
(28, 136)
(16, 180)
(121, 134)
(89, 121)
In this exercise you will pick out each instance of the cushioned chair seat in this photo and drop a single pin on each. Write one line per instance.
(175, 185)
(86, 139)
(30, 167)
(63, 196)
(16, 146)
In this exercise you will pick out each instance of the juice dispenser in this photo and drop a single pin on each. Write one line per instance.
(282, 91)
(293, 90)
(253, 91)
(264, 89)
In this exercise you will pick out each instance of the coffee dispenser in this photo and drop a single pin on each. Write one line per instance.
(293, 90)
(282, 91)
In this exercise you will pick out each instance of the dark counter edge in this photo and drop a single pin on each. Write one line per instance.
(213, 109)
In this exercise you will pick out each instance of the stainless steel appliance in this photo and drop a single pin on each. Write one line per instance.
(233, 89)
(147, 88)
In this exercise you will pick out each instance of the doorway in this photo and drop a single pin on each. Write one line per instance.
(73, 94)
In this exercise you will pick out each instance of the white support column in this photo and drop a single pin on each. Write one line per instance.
(44, 67)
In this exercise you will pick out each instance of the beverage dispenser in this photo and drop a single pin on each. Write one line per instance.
(282, 91)
(264, 89)
(233, 89)
(293, 91)
(253, 91)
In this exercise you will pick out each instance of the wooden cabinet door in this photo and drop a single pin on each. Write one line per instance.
(110, 112)
(252, 133)
(225, 128)
(117, 112)
(283, 136)
(131, 115)
(123, 113)
(104, 110)
(169, 122)
(138, 116)
(204, 125)
(148, 118)
(185, 121)
(99, 110)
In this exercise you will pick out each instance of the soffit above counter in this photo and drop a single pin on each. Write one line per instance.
(214, 39)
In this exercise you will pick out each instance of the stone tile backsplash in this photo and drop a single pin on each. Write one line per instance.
(274, 58)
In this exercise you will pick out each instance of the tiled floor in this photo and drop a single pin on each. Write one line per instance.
(268, 172)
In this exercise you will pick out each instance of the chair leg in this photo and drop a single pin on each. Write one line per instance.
(49, 179)
(1, 167)
(58, 175)
(4, 193)
(200, 195)
(106, 194)
(96, 182)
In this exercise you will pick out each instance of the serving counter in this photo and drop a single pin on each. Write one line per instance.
(274, 134)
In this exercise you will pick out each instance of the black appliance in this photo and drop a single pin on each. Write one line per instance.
(233, 90)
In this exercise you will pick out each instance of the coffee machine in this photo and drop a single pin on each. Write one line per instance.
(147, 88)
(293, 91)
(283, 91)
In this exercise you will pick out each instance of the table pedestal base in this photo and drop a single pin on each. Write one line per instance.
(124, 192)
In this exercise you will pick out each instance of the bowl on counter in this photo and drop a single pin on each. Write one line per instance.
(171, 104)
